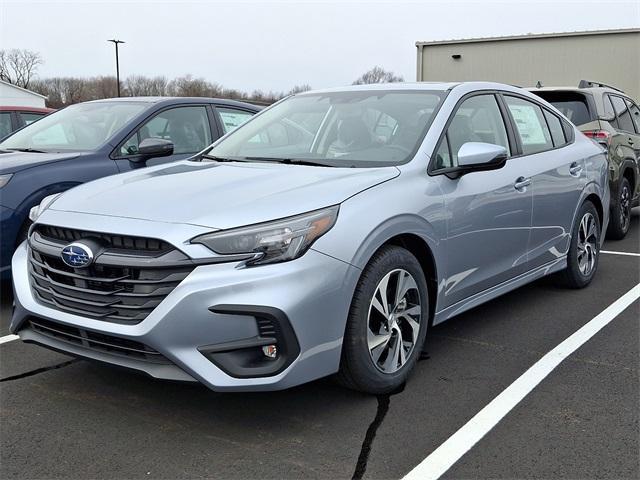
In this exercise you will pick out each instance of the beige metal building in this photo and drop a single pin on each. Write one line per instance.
(555, 59)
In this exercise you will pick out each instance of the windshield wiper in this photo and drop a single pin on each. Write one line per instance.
(28, 150)
(289, 161)
(222, 159)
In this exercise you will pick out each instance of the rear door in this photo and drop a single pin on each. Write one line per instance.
(557, 177)
(488, 213)
(627, 122)
(188, 127)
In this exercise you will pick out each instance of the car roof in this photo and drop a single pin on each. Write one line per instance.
(442, 86)
(426, 86)
(18, 108)
(179, 100)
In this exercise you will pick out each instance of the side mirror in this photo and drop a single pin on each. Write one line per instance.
(479, 156)
(154, 147)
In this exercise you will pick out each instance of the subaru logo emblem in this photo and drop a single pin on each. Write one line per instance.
(77, 255)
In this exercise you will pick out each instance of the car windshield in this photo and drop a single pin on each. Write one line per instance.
(80, 127)
(367, 128)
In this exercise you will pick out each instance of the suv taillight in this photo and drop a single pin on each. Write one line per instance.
(600, 136)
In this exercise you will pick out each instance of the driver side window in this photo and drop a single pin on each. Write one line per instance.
(477, 119)
(187, 127)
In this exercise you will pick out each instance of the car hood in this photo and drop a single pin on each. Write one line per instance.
(220, 195)
(12, 162)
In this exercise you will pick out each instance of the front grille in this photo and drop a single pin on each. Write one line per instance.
(97, 341)
(122, 286)
(125, 242)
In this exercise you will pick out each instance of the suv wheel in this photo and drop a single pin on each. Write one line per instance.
(387, 323)
(621, 213)
(584, 251)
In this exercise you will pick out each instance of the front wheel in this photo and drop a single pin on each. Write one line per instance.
(621, 213)
(387, 323)
(584, 250)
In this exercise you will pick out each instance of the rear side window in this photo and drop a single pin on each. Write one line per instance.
(30, 117)
(232, 118)
(622, 113)
(635, 114)
(572, 105)
(555, 127)
(530, 124)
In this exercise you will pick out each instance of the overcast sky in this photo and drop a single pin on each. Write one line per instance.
(273, 45)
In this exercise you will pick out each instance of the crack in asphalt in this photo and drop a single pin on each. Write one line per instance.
(383, 407)
(38, 370)
(365, 450)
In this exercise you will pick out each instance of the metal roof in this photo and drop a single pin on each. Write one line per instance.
(530, 36)
(36, 94)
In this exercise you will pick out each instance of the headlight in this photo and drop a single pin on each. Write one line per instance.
(4, 179)
(36, 211)
(272, 242)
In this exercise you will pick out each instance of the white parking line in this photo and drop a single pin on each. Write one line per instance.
(443, 457)
(8, 338)
(613, 252)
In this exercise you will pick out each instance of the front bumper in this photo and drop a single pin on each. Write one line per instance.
(313, 292)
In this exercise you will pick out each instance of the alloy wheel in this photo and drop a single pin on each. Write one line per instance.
(587, 244)
(394, 320)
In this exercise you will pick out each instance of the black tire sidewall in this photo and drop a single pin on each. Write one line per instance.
(355, 348)
(575, 277)
(616, 230)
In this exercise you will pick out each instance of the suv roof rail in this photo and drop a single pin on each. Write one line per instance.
(590, 84)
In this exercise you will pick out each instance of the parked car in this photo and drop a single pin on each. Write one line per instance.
(611, 118)
(94, 139)
(325, 235)
(13, 118)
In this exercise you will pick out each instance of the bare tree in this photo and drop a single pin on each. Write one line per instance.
(188, 86)
(19, 66)
(378, 75)
(299, 89)
(138, 85)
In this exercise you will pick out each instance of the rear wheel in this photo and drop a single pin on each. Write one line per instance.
(387, 323)
(621, 213)
(584, 251)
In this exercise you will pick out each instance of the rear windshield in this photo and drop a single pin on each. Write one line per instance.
(573, 105)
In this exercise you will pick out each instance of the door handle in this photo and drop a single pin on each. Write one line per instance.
(630, 141)
(522, 183)
(575, 169)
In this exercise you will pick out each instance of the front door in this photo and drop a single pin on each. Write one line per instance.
(488, 213)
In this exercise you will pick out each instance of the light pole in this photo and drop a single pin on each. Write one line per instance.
(116, 42)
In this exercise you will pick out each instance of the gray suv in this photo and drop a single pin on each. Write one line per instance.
(325, 235)
(611, 118)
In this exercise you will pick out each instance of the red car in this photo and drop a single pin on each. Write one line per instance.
(12, 117)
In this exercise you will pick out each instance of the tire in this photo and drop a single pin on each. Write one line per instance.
(621, 213)
(382, 370)
(584, 250)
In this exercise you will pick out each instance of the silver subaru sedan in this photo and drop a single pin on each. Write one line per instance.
(324, 236)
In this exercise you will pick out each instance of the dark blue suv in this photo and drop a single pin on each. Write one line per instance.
(90, 140)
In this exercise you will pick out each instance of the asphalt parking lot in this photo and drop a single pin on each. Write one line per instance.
(66, 418)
